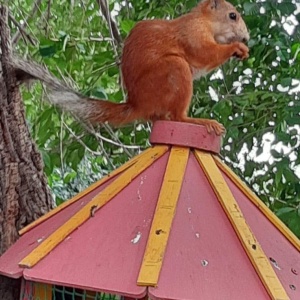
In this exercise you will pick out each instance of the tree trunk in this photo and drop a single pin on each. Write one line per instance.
(9, 288)
(24, 194)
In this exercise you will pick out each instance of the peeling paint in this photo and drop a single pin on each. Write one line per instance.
(204, 262)
(137, 238)
(138, 191)
(139, 195)
(274, 262)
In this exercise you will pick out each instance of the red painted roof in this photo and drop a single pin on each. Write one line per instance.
(204, 258)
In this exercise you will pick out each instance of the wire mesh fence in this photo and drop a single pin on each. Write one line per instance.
(40, 291)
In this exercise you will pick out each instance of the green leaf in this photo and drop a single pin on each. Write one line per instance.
(98, 92)
(251, 8)
(285, 210)
(293, 120)
(286, 8)
(127, 25)
(249, 169)
(69, 176)
(286, 81)
(290, 176)
(275, 154)
(47, 51)
(294, 224)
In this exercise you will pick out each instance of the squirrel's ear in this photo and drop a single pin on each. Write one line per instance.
(215, 3)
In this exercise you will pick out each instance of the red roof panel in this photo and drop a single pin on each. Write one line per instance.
(105, 253)
(10, 259)
(284, 257)
(204, 258)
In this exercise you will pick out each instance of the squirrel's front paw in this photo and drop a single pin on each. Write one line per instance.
(240, 50)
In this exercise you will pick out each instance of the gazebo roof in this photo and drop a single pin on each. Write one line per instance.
(173, 223)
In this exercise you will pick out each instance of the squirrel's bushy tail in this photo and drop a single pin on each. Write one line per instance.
(87, 109)
(96, 111)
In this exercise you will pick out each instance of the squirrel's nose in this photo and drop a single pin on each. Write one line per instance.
(246, 37)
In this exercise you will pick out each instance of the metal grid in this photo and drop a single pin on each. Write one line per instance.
(39, 291)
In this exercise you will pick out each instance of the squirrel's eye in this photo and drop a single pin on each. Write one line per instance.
(232, 16)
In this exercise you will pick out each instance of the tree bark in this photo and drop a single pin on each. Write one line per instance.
(24, 193)
(9, 288)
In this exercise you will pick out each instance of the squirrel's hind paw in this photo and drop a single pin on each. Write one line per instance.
(215, 126)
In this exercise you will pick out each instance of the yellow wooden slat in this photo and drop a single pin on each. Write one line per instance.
(254, 251)
(83, 193)
(96, 203)
(42, 291)
(163, 217)
(259, 204)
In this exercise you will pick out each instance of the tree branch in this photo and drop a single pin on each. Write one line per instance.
(46, 16)
(113, 28)
(100, 137)
(18, 34)
(24, 34)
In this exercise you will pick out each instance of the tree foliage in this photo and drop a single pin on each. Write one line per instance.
(257, 100)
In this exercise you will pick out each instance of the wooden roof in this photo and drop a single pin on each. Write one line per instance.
(173, 223)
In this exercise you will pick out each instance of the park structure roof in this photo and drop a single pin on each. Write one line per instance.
(172, 223)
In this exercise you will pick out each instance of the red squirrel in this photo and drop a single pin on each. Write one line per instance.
(160, 60)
